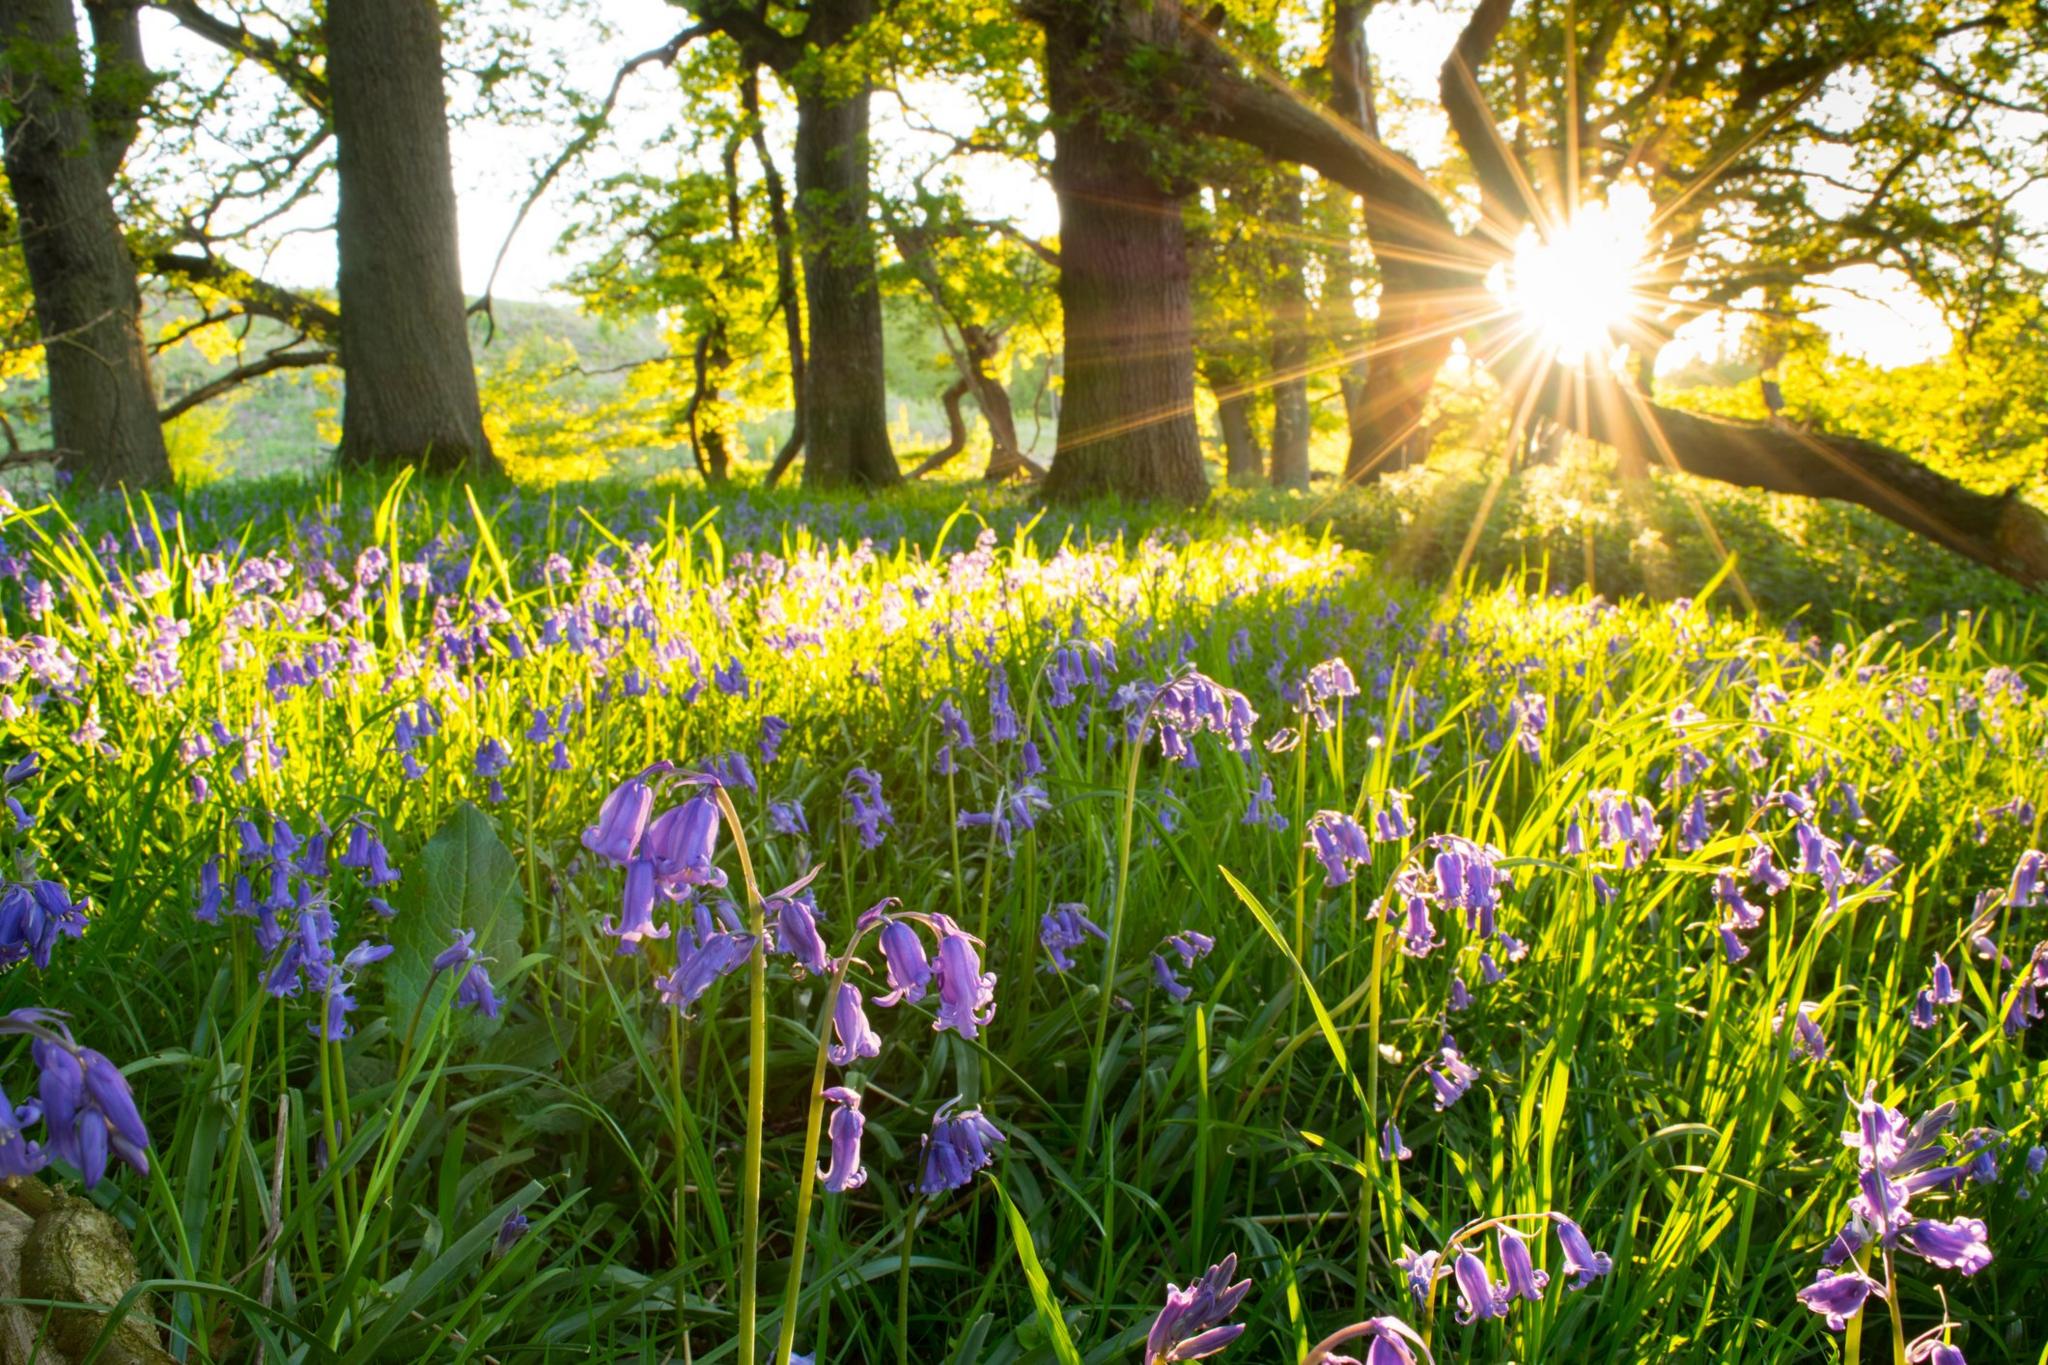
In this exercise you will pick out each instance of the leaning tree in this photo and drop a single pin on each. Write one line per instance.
(1736, 207)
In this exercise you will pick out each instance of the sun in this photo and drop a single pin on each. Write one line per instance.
(1575, 287)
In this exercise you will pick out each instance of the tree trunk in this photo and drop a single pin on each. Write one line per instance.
(788, 293)
(956, 431)
(103, 414)
(1243, 461)
(1288, 314)
(2000, 531)
(1127, 413)
(410, 394)
(846, 396)
(1005, 453)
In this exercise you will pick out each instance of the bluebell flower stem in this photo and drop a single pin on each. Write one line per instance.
(807, 1178)
(1891, 1303)
(903, 1283)
(681, 1136)
(757, 1086)
(1090, 1109)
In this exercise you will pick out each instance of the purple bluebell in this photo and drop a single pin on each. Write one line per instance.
(89, 1110)
(510, 1231)
(787, 817)
(1193, 1324)
(635, 923)
(1808, 1042)
(1839, 1295)
(1518, 1272)
(1450, 1076)
(865, 808)
(682, 843)
(1339, 844)
(967, 995)
(1392, 1148)
(1478, 1299)
(623, 817)
(1390, 821)
(1388, 1341)
(1582, 1264)
(956, 1148)
(1168, 980)
(904, 957)
(850, 1026)
(845, 1129)
(1064, 928)
(475, 991)
(20, 1155)
(796, 930)
(1959, 1245)
(2029, 875)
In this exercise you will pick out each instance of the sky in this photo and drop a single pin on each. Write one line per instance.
(1867, 312)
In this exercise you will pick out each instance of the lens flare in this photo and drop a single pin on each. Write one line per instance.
(1576, 286)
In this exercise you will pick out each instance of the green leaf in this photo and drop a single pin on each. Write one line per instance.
(467, 879)
(1034, 1275)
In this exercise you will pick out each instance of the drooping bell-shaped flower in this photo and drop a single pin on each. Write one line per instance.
(845, 1128)
(1523, 1279)
(967, 995)
(623, 818)
(850, 1024)
(1581, 1262)
(908, 969)
(682, 842)
(1478, 1299)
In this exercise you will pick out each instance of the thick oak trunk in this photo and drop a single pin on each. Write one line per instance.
(103, 413)
(845, 397)
(1288, 317)
(1127, 413)
(410, 395)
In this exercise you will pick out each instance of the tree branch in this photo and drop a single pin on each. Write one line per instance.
(309, 316)
(232, 37)
(242, 374)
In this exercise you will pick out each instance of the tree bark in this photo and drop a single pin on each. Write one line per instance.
(103, 416)
(410, 395)
(1288, 314)
(1243, 461)
(1127, 413)
(846, 397)
(788, 291)
(956, 431)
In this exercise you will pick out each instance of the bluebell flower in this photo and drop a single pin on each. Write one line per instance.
(1518, 1272)
(845, 1128)
(701, 963)
(850, 1026)
(908, 968)
(623, 818)
(1163, 973)
(510, 1231)
(967, 995)
(956, 1148)
(866, 810)
(796, 931)
(1193, 1324)
(1389, 1341)
(1478, 1299)
(493, 760)
(955, 726)
(1390, 821)
(1339, 844)
(20, 1155)
(682, 842)
(773, 729)
(1422, 1270)
(787, 817)
(475, 992)
(1764, 871)
(1064, 928)
(1959, 1245)
(635, 923)
(1450, 1076)
(460, 953)
(1839, 1296)
(2028, 877)
(89, 1110)
(1392, 1148)
(33, 916)
(1582, 1264)
(1808, 1042)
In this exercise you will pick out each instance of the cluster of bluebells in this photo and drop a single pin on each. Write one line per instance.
(82, 1100)
(1897, 1161)
(1480, 1296)
(283, 884)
